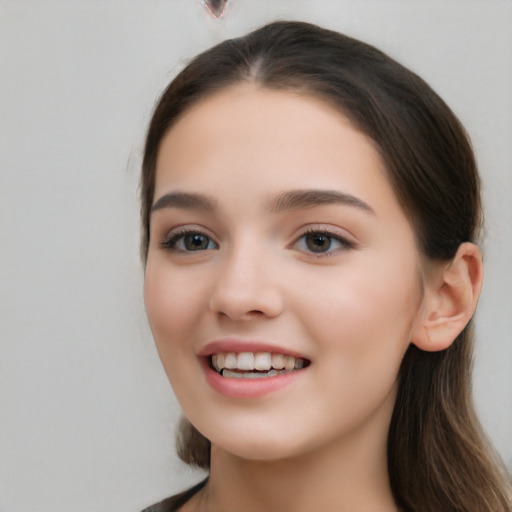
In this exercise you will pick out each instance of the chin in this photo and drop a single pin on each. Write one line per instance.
(257, 452)
(258, 448)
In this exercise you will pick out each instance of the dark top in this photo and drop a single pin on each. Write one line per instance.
(173, 503)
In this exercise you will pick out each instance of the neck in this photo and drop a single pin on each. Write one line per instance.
(347, 475)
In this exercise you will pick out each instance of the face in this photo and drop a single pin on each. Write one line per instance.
(280, 256)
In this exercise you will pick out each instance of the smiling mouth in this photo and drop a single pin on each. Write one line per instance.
(255, 365)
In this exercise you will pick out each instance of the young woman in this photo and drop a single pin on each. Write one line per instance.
(310, 211)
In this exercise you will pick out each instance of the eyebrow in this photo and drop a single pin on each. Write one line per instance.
(185, 200)
(287, 201)
(302, 199)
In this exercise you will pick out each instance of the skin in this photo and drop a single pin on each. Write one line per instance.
(320, 442)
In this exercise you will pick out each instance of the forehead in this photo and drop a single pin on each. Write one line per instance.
(255, 137)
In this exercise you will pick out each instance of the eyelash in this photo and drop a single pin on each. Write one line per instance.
(172, 241)
(344, 244)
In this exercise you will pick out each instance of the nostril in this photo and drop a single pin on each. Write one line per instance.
(255, 312)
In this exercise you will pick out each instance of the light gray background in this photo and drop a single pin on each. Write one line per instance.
(86, 414)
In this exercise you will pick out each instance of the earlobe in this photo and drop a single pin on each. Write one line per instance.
(450, 300)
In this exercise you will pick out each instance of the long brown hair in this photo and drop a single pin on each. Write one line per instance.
(438, 456)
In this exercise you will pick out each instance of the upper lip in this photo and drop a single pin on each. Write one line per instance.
(238, 345)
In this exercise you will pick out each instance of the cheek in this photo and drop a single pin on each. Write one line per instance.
(173, 307)
(361, 325)
(172, 304)
(368, 308)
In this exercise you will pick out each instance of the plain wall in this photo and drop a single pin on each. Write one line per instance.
(86, 413)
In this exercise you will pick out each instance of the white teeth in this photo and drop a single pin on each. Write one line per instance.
(265, 362)
(230, 360)
(289, 363)
(252, 375)
(231, 375)
(221, 361)
(278, 361)
(262, 361)
(245, 361)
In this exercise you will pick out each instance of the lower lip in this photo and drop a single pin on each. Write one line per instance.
(247, 388)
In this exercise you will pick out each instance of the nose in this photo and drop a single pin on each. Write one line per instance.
(247, 286)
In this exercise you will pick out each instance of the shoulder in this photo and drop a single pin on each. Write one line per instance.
(173, 503)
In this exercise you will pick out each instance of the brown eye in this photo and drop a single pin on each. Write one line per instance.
(196, 242)
(322, 243)
(318, 242)
(189, 241)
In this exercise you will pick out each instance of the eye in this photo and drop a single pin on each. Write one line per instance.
(322, 242)
(189, 241)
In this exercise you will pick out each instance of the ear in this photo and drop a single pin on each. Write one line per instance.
(450, 299)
